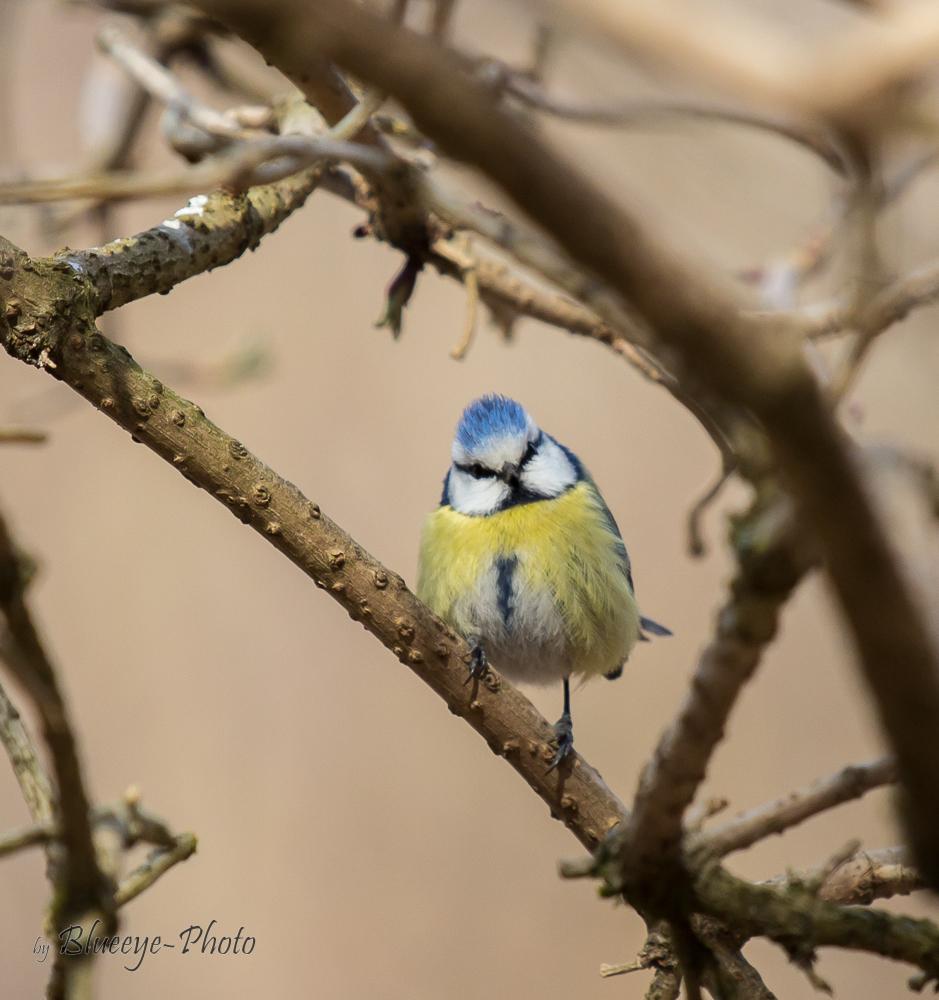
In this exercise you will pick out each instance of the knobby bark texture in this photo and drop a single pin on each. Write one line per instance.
(54, 328)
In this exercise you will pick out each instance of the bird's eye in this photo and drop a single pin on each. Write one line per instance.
(478, 471)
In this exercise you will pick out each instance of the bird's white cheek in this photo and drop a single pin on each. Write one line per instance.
(550, 472)
(475, 497)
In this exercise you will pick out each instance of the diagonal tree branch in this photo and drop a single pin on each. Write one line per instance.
(775, 817)
(60, 336)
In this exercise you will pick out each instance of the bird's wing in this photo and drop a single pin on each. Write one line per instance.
(646, 624)
(614, 528)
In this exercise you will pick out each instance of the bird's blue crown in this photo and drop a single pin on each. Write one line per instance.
(489, 417)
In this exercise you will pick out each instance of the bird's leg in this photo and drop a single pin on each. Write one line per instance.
(478, 664)
(563, 730)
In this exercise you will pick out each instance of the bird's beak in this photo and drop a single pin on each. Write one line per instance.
(510, 475)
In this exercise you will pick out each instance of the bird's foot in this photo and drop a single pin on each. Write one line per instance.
(564, 738)
(478, 664)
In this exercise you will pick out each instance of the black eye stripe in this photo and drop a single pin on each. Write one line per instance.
(476, 470)
(529, 453)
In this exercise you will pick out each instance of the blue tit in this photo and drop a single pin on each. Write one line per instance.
(525, 560)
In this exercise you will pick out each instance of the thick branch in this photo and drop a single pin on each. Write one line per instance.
(66, 342)
(771, 561)
(797, 918)
(792, 911)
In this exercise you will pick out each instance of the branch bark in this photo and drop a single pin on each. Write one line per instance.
(775, 817)
(29, 770)
(56, 331)
(869, 875)
(772, 559)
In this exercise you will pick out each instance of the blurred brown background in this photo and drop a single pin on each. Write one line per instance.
(366, 838)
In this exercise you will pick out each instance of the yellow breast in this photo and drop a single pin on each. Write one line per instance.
(564, 547)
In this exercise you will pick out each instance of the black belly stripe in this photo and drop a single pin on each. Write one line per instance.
(505, 570)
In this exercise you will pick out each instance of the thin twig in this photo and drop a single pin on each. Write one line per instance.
(775, 817)
(241, 165)
(696, 544)
(157, 864)
(606, 971)
(31, 836)
(15, 435)
(471, 284)
(639, 113)
(29, 770)
(162, 85)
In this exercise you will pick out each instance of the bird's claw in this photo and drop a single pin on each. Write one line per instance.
(564, 738)
(478, 664)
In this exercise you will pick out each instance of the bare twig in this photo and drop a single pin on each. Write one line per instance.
(699, 813)
(157, 864)
(173, 29)
(638, 113)
(162, 85)
(29, 770)
(472, 308)
(241, 165)
(83, 892)
(30, 837)
(775, 817)
(15, 435)
(606, 971)
(866, 876)
(696, 546)
(872, 875)
(891, 305)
